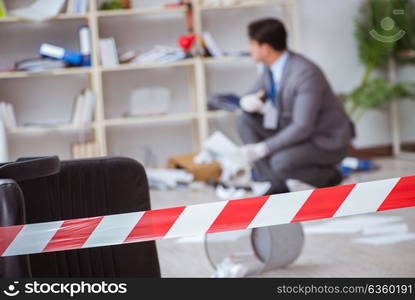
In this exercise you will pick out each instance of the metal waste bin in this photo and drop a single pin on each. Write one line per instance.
(251, 252)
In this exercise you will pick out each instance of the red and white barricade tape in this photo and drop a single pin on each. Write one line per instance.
(338, 201)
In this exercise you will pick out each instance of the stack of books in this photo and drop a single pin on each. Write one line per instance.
(83, 112)
(84, 150)
(39, 64)
(160, 54)
(7, 115)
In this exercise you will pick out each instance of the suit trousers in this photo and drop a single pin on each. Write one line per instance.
(302, 161)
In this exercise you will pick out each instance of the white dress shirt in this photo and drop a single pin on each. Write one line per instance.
(277, 68)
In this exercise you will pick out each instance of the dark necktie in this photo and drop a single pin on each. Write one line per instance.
(272, 92)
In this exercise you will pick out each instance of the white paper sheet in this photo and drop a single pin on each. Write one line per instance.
(40, 10)
(230, 193)
(389, 228)
(260, 188)
(198, 239)
(385, 239)
(349, 225)
(236, 170)
(295, 185)
(363, 220)
(326, 229)
(169, 177)
(222, 237)
(220, 144)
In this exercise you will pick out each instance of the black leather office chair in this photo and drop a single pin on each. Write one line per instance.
(34, 190)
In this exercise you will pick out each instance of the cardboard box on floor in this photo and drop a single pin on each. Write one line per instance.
(201, 172)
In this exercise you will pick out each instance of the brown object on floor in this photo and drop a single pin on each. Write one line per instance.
(201, 172)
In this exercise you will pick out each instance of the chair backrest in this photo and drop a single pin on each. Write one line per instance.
(12, 213)
(12, 205)
(88, 188)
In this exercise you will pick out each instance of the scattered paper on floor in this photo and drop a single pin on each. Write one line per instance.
(386, 239)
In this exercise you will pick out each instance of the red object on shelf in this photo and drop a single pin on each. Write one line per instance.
(186, 41)
(173, 5)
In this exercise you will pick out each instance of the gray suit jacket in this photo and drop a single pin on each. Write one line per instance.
(308, 109)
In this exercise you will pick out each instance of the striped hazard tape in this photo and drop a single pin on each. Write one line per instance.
(211, 217)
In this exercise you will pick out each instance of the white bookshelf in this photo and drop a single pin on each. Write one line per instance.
(142, 11)
(56, 72)
(64, 16)
(41, 129)
(192, 81)
(141, 66)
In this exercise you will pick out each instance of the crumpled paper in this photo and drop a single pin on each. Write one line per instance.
(236, 170)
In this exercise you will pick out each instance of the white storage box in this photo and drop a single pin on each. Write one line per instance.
(149, 101)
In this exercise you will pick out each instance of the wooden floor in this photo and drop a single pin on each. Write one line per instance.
(328, 255)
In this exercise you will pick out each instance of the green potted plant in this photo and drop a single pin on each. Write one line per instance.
(115, 4)
(385, 33)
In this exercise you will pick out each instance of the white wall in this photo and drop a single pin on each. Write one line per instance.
(407, 108)
(326, 29)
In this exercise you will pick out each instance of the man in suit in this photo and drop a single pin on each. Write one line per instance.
(293, 125)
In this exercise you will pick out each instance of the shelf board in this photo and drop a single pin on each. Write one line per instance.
(222, 113)
(64, 71)
(149, 119)
(13, 19)
(123, 67)
(46, 129)
(245, 5)
(140, 11)
(227, 59)
(184, 62)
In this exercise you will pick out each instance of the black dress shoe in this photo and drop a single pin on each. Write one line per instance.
(336, 179)
(277, 189)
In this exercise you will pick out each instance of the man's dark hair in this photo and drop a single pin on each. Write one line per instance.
(269, 31)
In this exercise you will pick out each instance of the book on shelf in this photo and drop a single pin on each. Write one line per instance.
(211, 45)
(89, 106)
(84, 149)
(77, 6)
(7, 115)
(39, 64)
(160, 54)
(46, 123)
(108, 51)
(83, 112)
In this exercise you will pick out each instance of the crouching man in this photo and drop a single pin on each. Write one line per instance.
(293, 125)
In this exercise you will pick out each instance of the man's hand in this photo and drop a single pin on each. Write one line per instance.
(253, 152)
(252, 103)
